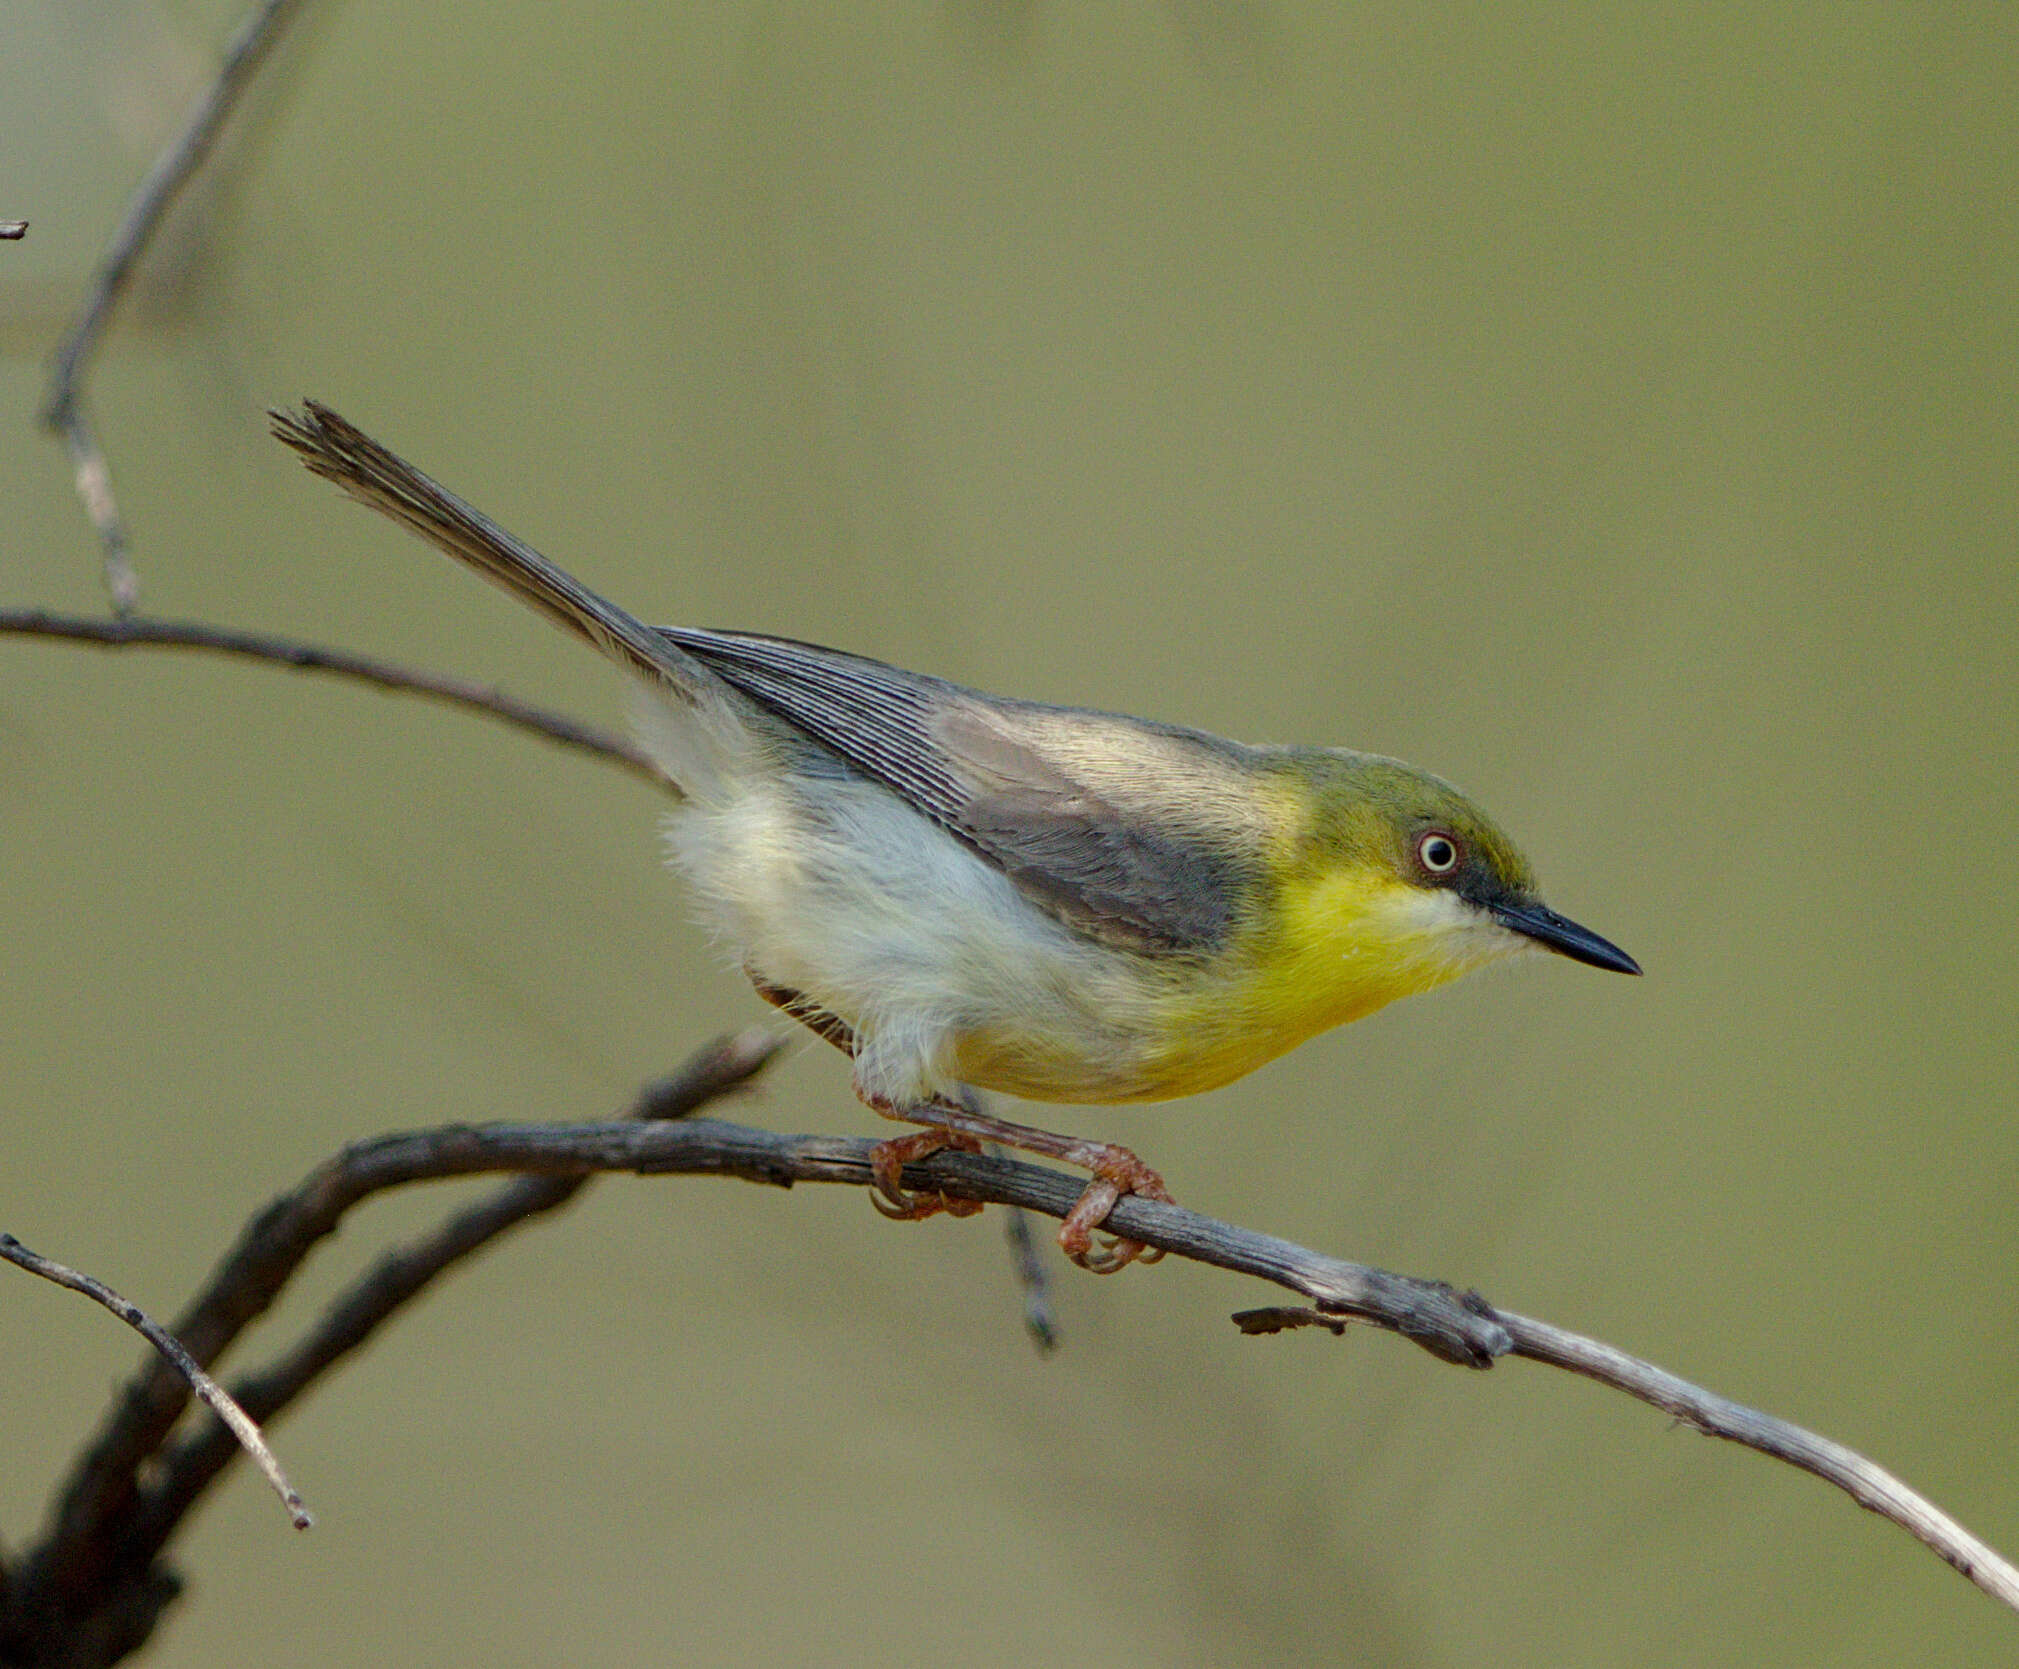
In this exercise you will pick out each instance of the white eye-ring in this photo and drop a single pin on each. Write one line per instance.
(1437, 852)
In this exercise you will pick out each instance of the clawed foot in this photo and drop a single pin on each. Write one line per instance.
(1116, 1172)
(887, 1161)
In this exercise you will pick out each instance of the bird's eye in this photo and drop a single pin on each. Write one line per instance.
(1437, 852)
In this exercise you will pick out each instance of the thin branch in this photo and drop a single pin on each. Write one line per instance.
(1457, 1327)
(1868, 1484)
(310, 657)
(92, 475)
(63, 407)
(172, 170)
(1871, 1486)
(240, 1425)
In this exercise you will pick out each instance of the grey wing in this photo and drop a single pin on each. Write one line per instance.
(1135, 833)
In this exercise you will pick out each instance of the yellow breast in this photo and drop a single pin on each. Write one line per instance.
(1332, 948)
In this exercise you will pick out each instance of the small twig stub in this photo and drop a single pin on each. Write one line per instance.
(1286, 1318)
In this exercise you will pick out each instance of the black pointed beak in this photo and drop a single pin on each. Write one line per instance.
(1562, 935)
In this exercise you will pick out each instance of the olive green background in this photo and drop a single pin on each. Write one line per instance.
(1612, 409)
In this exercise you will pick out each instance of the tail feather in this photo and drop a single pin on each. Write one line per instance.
(340, 452)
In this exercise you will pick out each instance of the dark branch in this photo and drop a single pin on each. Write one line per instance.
(107, 1499)
(1456, 1327)
(94, 1583)
(1041, 1321)
(310, 657)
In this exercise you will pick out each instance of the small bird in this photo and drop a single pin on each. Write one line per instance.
(959, 889)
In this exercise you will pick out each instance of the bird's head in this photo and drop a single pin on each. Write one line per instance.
(1411, 880)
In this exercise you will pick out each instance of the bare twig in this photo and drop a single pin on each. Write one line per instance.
(1027, 1264)
(1870, 1485)
(237, 1422)
(63, 407)
(385, 675)
(1456, 1327)
(1286, 1319)
(93, 477)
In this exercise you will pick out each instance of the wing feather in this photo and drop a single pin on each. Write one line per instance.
(1136, 833)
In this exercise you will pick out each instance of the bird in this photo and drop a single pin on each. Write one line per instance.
(963, 891)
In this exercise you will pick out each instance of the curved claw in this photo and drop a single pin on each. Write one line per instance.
(1110, 1257)
(1076, 1233)
(918, 1207)
(1117, 1253)
(912, 1209)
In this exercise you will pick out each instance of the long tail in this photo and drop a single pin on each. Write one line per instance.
(340, 452)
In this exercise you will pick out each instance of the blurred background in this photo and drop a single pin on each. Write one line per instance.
(1610, 409)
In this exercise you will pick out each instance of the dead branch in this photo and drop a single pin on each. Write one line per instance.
(63, 406)
(1456, 1327)
(108, 633)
